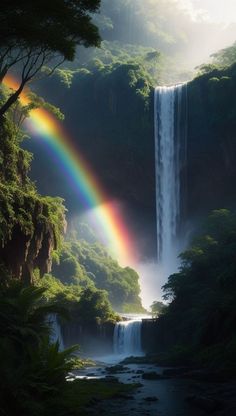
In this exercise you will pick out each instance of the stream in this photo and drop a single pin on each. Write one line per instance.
(159, 397)
(159, 391)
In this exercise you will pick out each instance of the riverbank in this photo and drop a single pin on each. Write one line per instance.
(150, 390)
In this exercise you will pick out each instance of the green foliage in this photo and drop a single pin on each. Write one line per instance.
(94, 305)
(86, 305)
(22, 209)
(113, 60)
(211, 140)
(158, 308)
(31, 226)
(162, 24)
(33, 369)
(15, 162)
(77, 396)
(225, 57)
(39, 102)
(66, 76)
(58, 28)
(203, 292)
(31, 37)
(89, 265)
(221, 60)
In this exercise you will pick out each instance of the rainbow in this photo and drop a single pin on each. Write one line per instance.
(107, 217)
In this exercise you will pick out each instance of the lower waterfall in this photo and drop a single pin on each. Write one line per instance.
(127, 338)
(56, 334)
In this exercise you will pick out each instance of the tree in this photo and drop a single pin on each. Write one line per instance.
(225, 57)
(201, 313)
(157, 308)
(32, 34)
(33, 368)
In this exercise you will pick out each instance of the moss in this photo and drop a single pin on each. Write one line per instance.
(31, 225)
(79, 395)
(28, 210)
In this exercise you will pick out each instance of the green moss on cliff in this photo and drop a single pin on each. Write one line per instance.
(89, 264)
(212, 140)
(31, 226)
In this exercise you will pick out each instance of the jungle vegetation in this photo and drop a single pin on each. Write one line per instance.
(34, 35)
(32, 226)
(200, 319)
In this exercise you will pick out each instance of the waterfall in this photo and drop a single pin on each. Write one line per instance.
(56, 334)
(170, 155)
(127, 338)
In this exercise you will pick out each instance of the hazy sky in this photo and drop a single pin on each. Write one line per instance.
(214, 10)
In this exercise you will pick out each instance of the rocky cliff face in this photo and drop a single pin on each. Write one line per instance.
(30, 225)
(24, 251)
(93, 338)
(211, 169)
(113, 126)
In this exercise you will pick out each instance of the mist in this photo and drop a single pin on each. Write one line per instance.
(186, 31)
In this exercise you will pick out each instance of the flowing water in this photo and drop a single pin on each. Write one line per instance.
(56, 334)
(127, 338)
(170, 155)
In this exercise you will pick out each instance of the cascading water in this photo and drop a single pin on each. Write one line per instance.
(170, 155)
(56, 334)
(127, 338)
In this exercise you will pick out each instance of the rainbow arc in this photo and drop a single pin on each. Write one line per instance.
(106, 216)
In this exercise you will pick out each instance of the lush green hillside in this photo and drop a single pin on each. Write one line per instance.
(211, 166)
(199, 324)
(31, 226)
(89, 265)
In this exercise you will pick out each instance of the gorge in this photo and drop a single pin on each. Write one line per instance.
(118, 216)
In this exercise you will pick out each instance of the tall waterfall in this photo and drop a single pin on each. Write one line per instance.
(127, 338)
(170, 154)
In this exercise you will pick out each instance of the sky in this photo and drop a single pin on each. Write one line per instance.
(214, 10)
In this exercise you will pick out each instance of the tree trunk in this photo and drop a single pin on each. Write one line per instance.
(11, 100)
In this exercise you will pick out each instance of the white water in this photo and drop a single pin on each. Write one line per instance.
(127, 338)
(56, 334)
(169, 152)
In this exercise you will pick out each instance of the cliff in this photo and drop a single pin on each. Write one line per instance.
(211, 169)
(30, 225)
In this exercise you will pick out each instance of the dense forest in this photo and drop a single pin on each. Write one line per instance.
(107, 131)
(198, 325)
(100, 79)
(32, 228)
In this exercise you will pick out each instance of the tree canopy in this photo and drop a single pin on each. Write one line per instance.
(32, 34)
(89, 265)
(201, 316)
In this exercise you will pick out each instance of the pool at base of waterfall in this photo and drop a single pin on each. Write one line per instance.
(150, 397)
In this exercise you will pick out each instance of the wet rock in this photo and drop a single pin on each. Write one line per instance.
(94, 400)
(124, 396)
(151, 399)
(117, 369)
(175, 372)
(152, 375)
(138, 385)
(112, 379)
(204, 375)
(210, 405)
